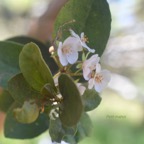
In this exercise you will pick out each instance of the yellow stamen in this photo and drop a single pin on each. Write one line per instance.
(66, 50)
(98, 78)
(85, 39)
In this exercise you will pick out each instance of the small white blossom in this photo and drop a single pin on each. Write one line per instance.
(100, 79)
(89, 66)
(82, 40)
(54, 114)
(81, 88)
(51, 50)
(68, 51)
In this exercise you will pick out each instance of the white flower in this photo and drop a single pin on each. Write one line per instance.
(89, 66)
(100, 79)
(82, 40)
(54, 114)
(81, 88)
(68, 51)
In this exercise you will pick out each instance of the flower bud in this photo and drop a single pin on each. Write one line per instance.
(51, 50)
(28, 113)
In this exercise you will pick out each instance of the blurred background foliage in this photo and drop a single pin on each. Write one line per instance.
(120, 117)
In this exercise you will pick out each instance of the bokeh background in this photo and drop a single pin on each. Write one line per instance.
(120, 117)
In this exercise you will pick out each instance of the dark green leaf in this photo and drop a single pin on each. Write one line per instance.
(91, 99)
(92, 17)
(21, 90)
(43, 47)
(84, 127)
(6, 100)
(70, 139)
(14, 129)
(47, 91)
(58, 131)
(9, 57)
(72, 103)
(34, 68)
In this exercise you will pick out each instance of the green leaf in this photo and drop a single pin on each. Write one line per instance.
(72, 103)
(58, 131)
(21, 90)
(43, 47)
(9, 57)
(84, 127)
(91, 99)
(34, 68)
(47, 91)
(14, 129)
(91, 17)
(6, 100)
(70, 139)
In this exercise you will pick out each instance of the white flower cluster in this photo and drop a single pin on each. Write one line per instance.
(68, 50)
(92, 72)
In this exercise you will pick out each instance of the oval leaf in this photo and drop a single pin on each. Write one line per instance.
(43, 47)
(34, 68)
(72, 103)
(91, 17)
(9, 57)
(91, 99)
(58, 131)
(14, 129)
(21, 90)
(84, 127)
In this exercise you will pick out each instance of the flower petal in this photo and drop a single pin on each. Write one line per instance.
(81, 88)
(106, 78)
(89, 65)
(62, 57)
(73, 42)
(72, 57)
(88, 48)
(106, 75)
(99, 87)
(74, 34)
(98, 68)
(82, 35)
(90, 83)
(86, 73)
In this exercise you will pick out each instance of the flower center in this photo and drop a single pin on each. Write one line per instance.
(92, 67)
(98, 78)
(84, 39)
(66, 50)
